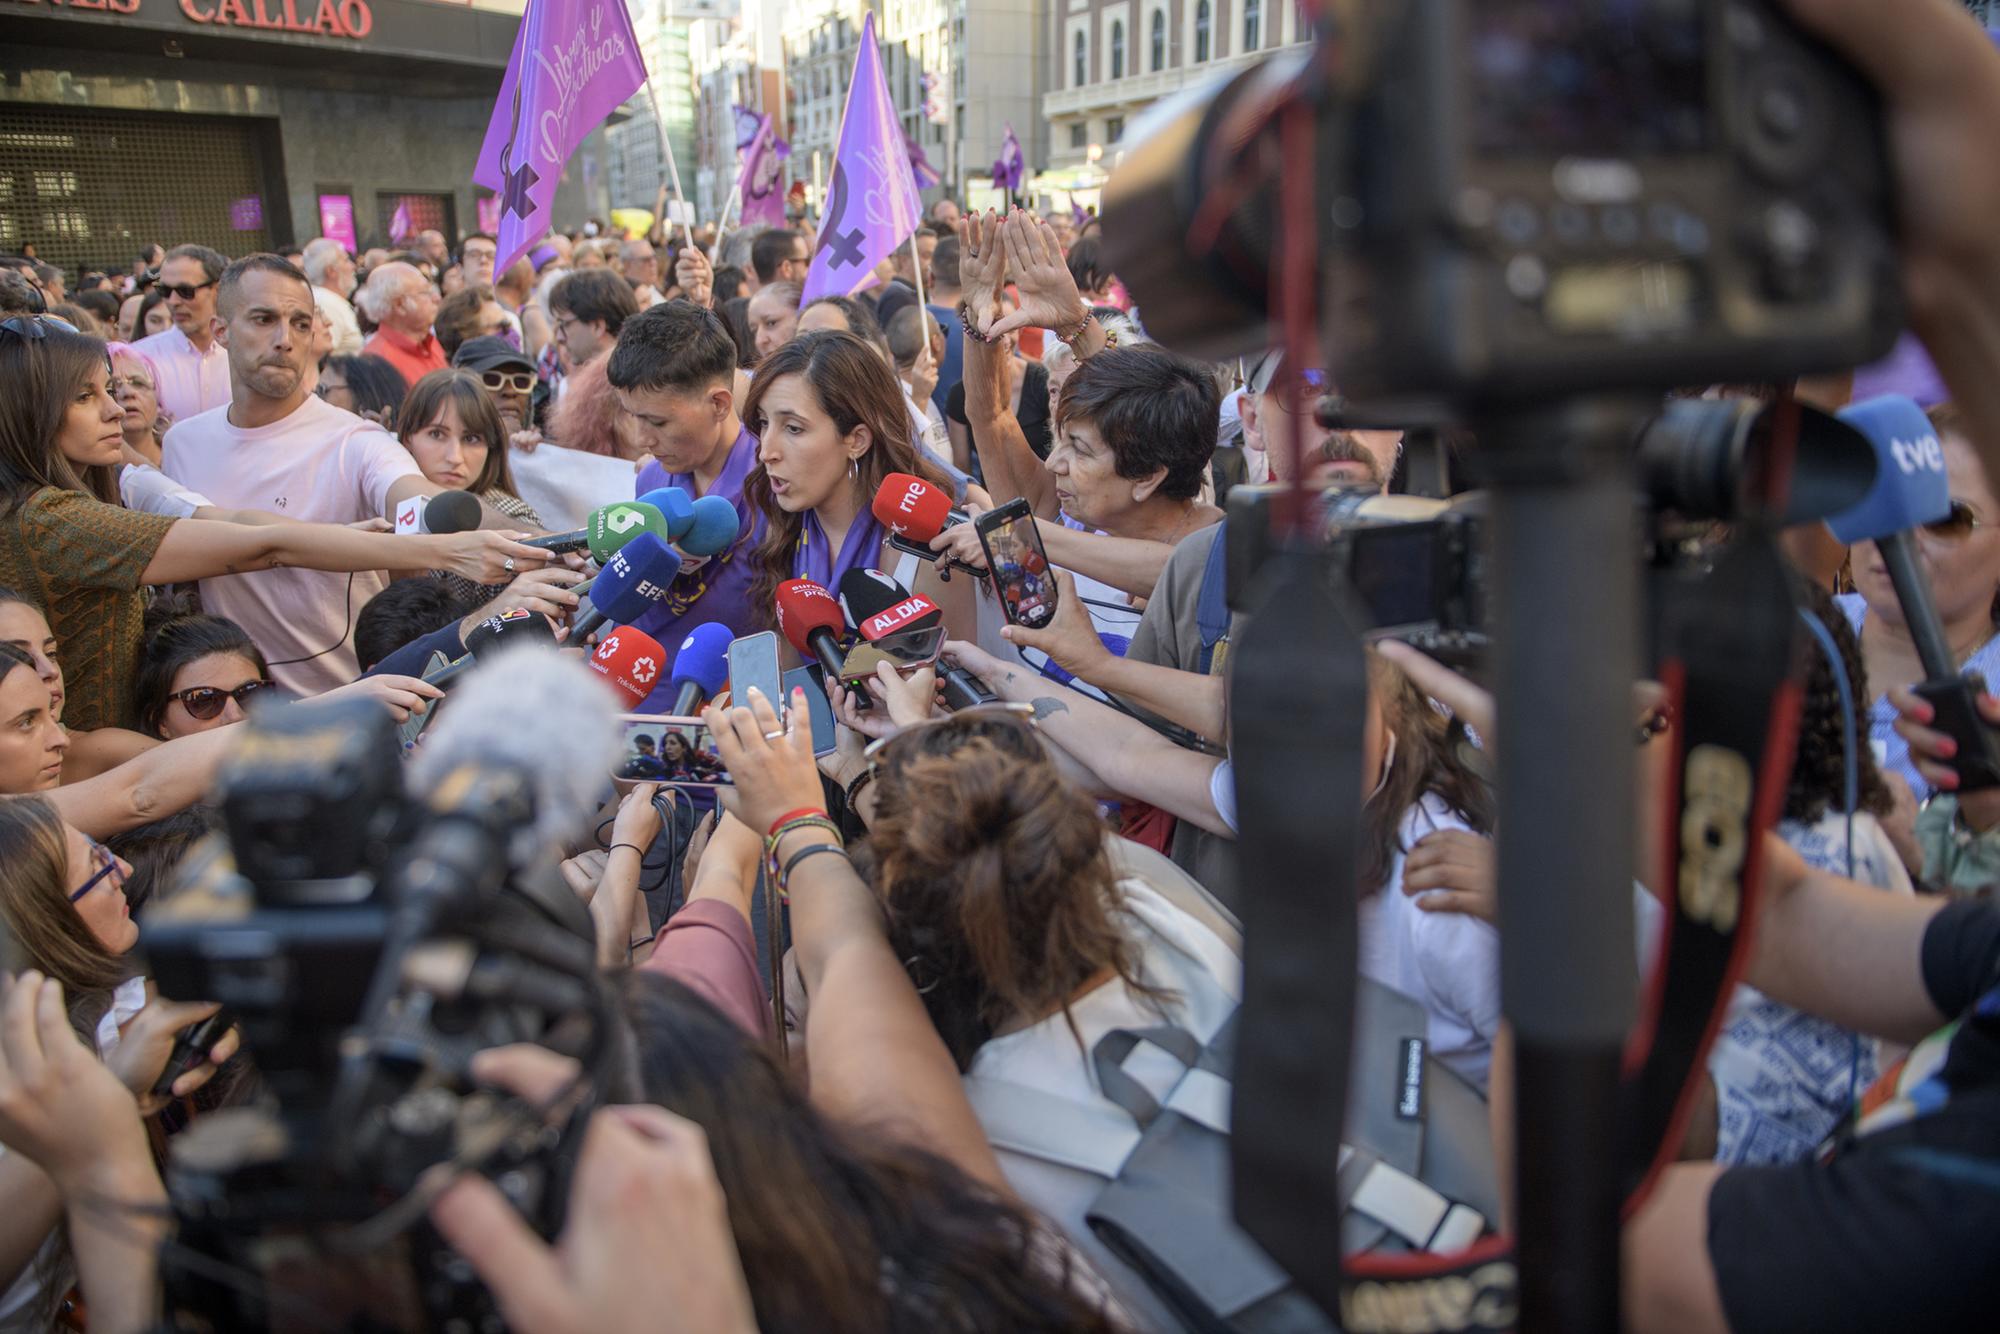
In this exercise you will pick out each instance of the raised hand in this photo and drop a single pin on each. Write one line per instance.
(1043, 287)
(982, 268)
(695, 275)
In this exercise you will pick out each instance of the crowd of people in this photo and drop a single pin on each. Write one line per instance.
(1010, 926)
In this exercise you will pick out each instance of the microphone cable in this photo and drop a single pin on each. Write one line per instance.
(347, 617)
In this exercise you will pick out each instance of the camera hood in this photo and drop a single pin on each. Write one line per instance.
(1702, 458)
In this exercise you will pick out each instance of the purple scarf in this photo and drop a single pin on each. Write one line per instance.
(859, 550)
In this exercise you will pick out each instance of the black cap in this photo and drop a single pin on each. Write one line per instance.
(489, 352)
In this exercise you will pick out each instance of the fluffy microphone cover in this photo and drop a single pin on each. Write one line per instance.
(539, 714)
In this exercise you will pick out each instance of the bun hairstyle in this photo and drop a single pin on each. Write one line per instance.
(999, 893)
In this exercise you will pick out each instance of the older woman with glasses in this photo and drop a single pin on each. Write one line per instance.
(135, 384)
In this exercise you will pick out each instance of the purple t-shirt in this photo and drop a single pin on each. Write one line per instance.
(720, 589)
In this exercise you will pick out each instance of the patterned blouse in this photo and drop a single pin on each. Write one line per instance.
(80, 561)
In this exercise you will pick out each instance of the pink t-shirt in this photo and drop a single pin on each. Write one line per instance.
(319, 464)
(191, 382)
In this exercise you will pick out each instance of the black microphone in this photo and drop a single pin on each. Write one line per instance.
(451, 512)
(866, 594)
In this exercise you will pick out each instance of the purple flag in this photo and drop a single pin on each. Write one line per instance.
(1009, 168)
(920, 165)
(574, 61)
(748, 123)
(871, 205)
(763, 192)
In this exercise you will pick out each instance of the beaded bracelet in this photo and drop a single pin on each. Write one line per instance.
(789, 816)
(792, 826)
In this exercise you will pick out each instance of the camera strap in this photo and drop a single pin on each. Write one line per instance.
(1730, 658)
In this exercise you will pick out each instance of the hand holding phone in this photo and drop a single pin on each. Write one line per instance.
(753, 661)
(1017, 564)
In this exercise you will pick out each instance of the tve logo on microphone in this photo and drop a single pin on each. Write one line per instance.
(1923, 454)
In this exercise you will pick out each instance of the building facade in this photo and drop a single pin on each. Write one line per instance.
(667, 31)
(249, 124)
(1111, 59)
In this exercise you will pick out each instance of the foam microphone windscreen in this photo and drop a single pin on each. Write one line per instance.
(637, 576)
(630, 662)
(1910, 485)
(911, 507)
(876, 605)
(713, 527)
(703, 658)
(673, 503)
(451, 512)
(531, 714)
(803, 607)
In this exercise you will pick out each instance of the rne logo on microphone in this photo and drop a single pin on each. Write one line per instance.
(1923, 454)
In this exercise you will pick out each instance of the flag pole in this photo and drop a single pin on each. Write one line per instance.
(917, 270)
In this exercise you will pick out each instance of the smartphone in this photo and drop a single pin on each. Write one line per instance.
(905, 651)
(660, 748)
(808, 679)
(413, 727)
(753, 661)
(1017, 565)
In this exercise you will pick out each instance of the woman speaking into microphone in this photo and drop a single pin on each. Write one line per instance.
(830, 425)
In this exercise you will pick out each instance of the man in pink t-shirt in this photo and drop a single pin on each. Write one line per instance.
(276, 447)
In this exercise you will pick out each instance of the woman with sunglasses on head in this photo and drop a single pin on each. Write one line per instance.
(70, 547)
(62, 902)
(1961, 561)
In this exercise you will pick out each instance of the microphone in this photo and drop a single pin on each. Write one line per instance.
(713, 525)
(879, 606)
(516, 628)
(701, 667)
(1911, 490)
(629, 661)
(914, 512)
(810, 620)
(673, 503)
(607, 530)
(636, 577)
(448, 512)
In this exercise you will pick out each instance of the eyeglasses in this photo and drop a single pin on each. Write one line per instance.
(1957, 525)
(117, 383)
(185, 291)
(521, 382)
(107, 865)
(35, 327)
(206, 702)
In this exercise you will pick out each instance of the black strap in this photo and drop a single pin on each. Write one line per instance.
(1297, 671)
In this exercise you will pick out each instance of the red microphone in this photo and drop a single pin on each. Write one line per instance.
(810, 620)
(631, 661)
(914, 512)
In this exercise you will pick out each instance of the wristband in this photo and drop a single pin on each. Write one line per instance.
(785, 876)
(854, 786)
(971, 329)
(637, 851)
(790, 816)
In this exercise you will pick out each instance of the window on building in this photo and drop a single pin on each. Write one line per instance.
(1079, 135)
(1117, 48)
(1252, 25)
(1114, 129)
(1081, 63)
(1159, 41)
(1201, 24)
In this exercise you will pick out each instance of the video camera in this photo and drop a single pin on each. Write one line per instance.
(367, 944)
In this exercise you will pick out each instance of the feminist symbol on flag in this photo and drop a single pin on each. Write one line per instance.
(844, 248)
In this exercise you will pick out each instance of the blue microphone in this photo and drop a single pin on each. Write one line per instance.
(636, 577)
(701, 666)
(1910, 491)
(713, 527)
(673, 503)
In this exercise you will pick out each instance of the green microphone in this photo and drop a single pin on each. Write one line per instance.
(607, 530)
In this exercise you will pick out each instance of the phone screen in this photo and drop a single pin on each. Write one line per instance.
(808, 679)
(1018, 566)
(660, 749)
(753, 661)
(905, 651)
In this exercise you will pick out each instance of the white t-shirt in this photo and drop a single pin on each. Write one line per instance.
(320, 464)
(346, 330)
(1448, 961)
(145, 488)
(1173, 947)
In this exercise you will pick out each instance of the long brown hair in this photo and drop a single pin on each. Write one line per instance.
(43, 377)
(855, 387)
(1427, 761)
(477, 413)
(45, 928)
(1000, 896)
(843, 1230)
